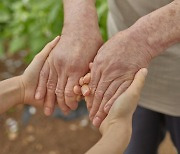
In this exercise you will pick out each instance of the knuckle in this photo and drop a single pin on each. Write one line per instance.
(98, 61)
(59, 92)
(51, 86)
(99, 94)
(93, 86)
(43, 74)
(108, 95)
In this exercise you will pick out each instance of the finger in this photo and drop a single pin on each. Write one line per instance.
(138, 81)
(50, 95)
(81, 82)
(62, 80)
(110, 92)
(120, 90)
(77, 90)
(98, 96)
(39, 63)
(70, 96)
(85, 90)
(127, 102)
(95, 78)
(90, 65)
(41, 57)
(43, 78)
(87, 78)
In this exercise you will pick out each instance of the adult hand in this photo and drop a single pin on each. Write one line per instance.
(113, 70)
(68, 62)
(30, 77)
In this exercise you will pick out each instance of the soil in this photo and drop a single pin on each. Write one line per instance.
(47, 135)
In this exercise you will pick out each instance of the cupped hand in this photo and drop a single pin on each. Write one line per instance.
(30, 77)
(67, 62)
(113, 71)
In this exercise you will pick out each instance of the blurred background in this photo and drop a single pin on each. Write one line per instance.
(25, 27)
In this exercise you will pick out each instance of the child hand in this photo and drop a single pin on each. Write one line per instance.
(125, 105)
(29, 79)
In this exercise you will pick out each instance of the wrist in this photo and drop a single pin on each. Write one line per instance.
(81, 17)
(123, 123)
(21, 89)
(120, 132)
(160, 29)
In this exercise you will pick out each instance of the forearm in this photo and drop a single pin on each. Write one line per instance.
(10, 94)
(114, 141)
(160, 28)
(80, 15)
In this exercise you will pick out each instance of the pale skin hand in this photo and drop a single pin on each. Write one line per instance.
(69, 60)
(21, 89)
(124, 54)
(117, 126)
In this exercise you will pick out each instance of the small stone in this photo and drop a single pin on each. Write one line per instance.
(12, 136)
(12, 128)
(32, 110)
(84, 122)
(73, 127)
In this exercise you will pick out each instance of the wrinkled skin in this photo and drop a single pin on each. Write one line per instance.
(113, 70)
(68, 61)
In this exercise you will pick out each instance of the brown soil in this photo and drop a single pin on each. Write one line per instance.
(47, 135)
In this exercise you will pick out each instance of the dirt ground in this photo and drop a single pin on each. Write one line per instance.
(47, 135)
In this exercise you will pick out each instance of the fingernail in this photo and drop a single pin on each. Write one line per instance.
(38, 96)
(144, 71)
(85, 92)
(96, 121)
(107, 108)
(47, 111)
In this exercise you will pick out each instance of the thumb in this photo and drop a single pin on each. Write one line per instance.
(138, 82)
(127, 102)
(41, 57)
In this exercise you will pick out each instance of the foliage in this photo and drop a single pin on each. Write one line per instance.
(30, 24)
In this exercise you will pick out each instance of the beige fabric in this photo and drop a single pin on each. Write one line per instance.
(162, 89)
